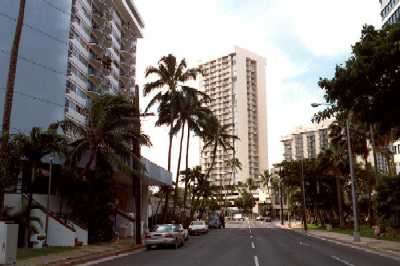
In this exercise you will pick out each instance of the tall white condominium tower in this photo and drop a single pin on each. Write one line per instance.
(306, 141)
(102, 51)
(390, 11)
(236, 85)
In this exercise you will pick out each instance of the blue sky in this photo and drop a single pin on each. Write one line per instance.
(301, 40)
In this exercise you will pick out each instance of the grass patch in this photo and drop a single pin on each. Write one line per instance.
(365, 231)
(27, 253)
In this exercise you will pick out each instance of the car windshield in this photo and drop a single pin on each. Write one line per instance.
(198, 223)
(163, 228)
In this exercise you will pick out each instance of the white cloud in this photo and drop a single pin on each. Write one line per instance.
(202, 29)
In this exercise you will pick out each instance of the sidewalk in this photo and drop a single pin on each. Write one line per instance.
(391, 248)
(82, 254)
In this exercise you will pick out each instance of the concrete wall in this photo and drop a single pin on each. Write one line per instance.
(58, 233)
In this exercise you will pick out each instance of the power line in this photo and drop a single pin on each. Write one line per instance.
(35, 63)
(35, 29)
(39, 99)
(56, 7)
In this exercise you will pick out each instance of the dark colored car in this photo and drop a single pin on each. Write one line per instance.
(214, 222)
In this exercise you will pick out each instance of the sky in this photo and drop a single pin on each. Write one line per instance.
(301, 41)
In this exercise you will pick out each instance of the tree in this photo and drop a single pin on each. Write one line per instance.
(216, 135)
(388, 201)
(366, 85)
(12, 70)
(9, 170)
(106, 141)
(34, 148)
(245, 202)
(189, 109)
(170, 75)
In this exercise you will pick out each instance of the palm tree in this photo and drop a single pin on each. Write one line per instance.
(189, 105)
(170, 75)
(216, 135)
(108, 134)
(236, 166)
(111, 130)
(34, 148)
(12, 70)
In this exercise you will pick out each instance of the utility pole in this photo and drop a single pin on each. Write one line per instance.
(303, 192)
(49, 198)
(356, 233)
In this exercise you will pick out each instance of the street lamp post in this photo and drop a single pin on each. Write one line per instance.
(356, 233)
(303, 192)
(280, 194)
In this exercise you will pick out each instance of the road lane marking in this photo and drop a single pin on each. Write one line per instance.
(304, 244)
(342, 261)
(251, 236)
(252, 244)
(256, 261)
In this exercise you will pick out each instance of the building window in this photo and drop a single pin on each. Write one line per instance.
(323, 139)
(311, 145)
(299, 146)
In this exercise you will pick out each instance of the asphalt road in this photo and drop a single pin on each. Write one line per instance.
(254, 244)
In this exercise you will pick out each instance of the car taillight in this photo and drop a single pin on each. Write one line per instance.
(147, 236)
(168, 235)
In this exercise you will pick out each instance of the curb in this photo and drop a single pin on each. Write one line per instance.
(379, 252)
(93, 256)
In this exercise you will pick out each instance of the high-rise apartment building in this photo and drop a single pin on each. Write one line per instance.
(306, 141)
(68, 49)
(390, 11)
(236, 85)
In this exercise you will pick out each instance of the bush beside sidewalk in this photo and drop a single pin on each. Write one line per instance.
(82, 254)
(384, 247)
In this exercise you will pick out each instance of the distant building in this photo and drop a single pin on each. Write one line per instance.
(390, 11)
(306, 141)
(236, 85)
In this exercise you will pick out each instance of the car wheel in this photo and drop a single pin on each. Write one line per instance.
(148, 247)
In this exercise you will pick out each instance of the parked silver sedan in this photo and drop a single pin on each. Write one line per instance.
(165, 235)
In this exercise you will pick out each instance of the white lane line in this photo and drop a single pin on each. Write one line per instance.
(342, 261)
(256, 261)
(251, 236)
(252, 245)
(304, 244)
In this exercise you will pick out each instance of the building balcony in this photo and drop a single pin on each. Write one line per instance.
(86, 5)
(113, 54)
(76, 62)
(96, 48)
(95, 63)
(79, 29)
(76, 98)
(72, 77)
(75, 116)
(83, 50)
(96, 79)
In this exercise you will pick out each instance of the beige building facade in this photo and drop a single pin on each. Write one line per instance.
(237, 87)
(306, 142)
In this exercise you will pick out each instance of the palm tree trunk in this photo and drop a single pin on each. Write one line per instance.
(187, 168)
(166, 202)
(12, 72)
(339, 199)
(178, 167)
(8, 102)
(212, 162)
